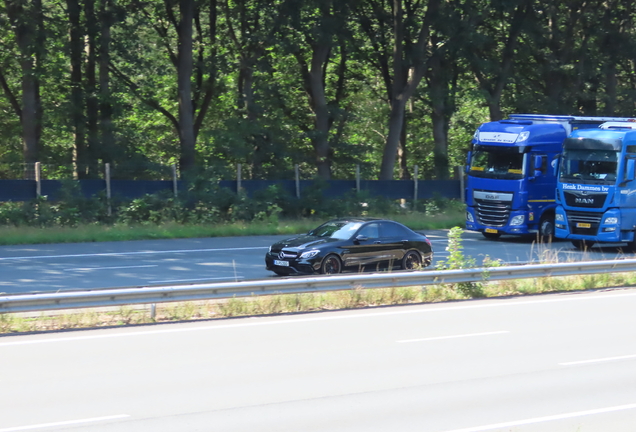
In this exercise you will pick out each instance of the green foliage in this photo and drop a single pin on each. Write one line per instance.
(457, 260)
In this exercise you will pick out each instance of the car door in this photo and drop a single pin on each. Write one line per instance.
(393, 239)
(366, 246)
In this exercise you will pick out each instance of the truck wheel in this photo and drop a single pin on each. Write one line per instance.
(546, 229)
(491, 236)
(582, 244)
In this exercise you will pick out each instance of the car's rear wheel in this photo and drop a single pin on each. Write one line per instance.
(331, 265)
(412, 261)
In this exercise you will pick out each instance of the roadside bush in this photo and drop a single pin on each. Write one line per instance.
(457, 260)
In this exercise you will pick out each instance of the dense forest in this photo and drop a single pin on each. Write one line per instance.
(326, 85)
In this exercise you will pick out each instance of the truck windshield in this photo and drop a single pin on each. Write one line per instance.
(496, 162)
(589, 166)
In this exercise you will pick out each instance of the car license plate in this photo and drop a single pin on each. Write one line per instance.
(583, 225)
(281, 263)
(491, 230)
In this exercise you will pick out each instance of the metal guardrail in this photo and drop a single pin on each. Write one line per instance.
(293, 285)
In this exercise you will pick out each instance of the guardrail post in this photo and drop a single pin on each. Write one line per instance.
(108, 191)
(153, 311)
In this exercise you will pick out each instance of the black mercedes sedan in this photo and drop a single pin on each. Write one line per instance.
(353, 243)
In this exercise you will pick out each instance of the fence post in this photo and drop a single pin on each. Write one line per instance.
(459, 175)
(108, 192)
(238, 178)
(174, 180)
(38, 180)
(415, 185)
(297, 171)
(358, 178)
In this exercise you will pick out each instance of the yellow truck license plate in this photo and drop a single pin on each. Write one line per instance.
(583, 225)
(491, 230)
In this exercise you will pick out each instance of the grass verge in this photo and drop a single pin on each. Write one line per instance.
(101, 233)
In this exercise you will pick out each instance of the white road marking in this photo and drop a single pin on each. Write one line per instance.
(111, 268)
(131, 253)
(64, 423)
(599, 360)
(26, 340)
(194, 280)
(543, 419)
(453, 337)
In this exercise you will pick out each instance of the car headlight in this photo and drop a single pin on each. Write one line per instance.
(469, 217)
(517, 220)
(309, 254)
(559, 217)
(612, 220)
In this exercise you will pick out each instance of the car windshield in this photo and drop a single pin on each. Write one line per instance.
(592, 166)
(496, 162)
(336, 230)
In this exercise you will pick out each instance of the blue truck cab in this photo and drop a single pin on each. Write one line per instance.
(596, 189)
(511, 173)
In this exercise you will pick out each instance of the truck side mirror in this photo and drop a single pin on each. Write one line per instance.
(631, 170)
(468, 158)
(555, 165)
(538, 165)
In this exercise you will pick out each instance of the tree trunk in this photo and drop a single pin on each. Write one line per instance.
(321, 111)
(105, 106)
(92, 103)
(80, 159)
(29, 116)
(184, 76)
(396, 120)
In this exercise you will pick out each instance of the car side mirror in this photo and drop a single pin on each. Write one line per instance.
(361, 238)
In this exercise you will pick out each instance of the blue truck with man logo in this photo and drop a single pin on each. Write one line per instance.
(596, 189)
(511, 173)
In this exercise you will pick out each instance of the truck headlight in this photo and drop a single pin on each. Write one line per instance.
(517, 220)
(612, 220)
(559, 217)
(469, 217)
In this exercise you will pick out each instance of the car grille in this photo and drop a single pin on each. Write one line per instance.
(594, 219)
(493, 213)
(286, 255)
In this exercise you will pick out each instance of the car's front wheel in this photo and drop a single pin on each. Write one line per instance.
(411, 261)
(331, 265)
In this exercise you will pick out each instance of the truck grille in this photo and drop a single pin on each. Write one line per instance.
(493, 213)
(579, 217)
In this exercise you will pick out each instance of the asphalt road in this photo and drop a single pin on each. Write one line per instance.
(81, 266)
(551, 363)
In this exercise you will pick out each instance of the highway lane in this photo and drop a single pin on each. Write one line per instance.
(62, 267)
(563, 363)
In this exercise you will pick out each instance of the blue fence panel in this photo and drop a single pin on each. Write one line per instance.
(138, 188)
(17, 190)
(438, 188)
(88, 188)
(25, 190)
